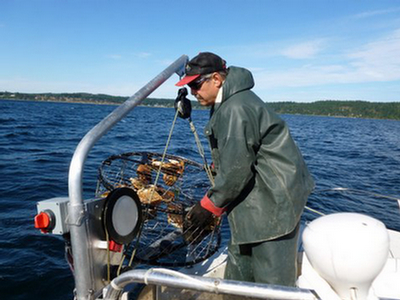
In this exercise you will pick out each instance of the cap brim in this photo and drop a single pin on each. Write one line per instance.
(187, 79)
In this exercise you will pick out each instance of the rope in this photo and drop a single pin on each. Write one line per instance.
(343, 189)
(314, 211)
(201, 152)
(164, 153)
(155, 183)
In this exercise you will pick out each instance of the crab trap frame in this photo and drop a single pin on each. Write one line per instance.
(167, 186)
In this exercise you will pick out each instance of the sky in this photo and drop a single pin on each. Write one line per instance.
(301, 51)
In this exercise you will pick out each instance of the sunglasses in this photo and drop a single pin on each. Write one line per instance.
(196, 84)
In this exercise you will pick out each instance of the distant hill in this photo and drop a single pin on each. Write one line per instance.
(86, 98)
(352, 109)
(335, 108)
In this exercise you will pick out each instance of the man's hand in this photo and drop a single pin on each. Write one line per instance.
(199, 216)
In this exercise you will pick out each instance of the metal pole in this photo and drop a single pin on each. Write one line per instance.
(174, 279)
(84, 279)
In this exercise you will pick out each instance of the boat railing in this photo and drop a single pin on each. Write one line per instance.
(81, 248)
(173, 279)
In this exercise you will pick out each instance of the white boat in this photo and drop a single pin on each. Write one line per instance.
(342, 255)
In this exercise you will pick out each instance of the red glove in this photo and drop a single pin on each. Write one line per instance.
(207, 204)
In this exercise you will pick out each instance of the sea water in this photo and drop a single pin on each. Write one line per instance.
(38, 139)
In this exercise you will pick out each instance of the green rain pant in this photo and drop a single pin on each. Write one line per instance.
(272, 261)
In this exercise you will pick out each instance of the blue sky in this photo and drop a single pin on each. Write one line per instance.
(299, 51)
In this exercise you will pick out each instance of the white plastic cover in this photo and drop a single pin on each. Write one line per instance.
(348, 250)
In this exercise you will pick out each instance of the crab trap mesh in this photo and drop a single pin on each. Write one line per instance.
(167, 189)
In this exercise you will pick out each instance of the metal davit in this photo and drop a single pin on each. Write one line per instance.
(81, 244)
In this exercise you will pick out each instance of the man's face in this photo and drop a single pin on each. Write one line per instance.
(207, 91)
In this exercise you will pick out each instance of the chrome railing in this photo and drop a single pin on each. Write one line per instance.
(174, 279)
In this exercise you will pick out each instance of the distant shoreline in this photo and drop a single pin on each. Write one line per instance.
(62, 101)
(84, 102)
(330, 108)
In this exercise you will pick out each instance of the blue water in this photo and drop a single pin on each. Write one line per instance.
(37, 141)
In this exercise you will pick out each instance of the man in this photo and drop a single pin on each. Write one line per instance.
(262, 181)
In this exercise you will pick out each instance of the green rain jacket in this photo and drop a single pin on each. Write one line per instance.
(262, 180)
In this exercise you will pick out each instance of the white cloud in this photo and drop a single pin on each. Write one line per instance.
(376, 61)
(143, 54)
(38, 86)
(119, 88)
(372, 13)
(379, 60)
(303, 50)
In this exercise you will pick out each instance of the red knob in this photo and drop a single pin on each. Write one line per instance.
(115, 247)
(44, 221)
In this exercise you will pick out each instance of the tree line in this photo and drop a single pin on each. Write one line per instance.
(335, 108)
(351, 109)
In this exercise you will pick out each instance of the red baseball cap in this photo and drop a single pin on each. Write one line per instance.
(202, 64)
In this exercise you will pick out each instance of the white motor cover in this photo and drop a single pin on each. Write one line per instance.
(348, 250)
